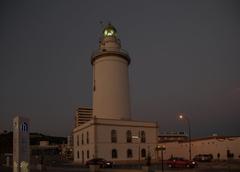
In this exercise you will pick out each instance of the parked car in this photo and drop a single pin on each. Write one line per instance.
(175, 162)
(203, 157)
(99, 161)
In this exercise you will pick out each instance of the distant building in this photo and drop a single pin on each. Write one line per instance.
(110, 133)
(67, 150)
(45, 153)
(220, 147)
(82, 115)
(45, 149)
(172, 136)
(69, 141)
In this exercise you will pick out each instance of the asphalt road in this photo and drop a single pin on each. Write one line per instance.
(203, 167)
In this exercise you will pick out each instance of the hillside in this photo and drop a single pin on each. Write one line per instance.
(6, 140)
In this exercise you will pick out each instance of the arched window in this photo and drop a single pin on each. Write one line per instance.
(77, 140)
(87, 154)
(129, 153)
(129, 136)
(143, 153)
(87, 138)
(114, 153)
(143, 137)
(114, 136)
(24, 127)
(77, 154)
(82, 139)
(82, 157)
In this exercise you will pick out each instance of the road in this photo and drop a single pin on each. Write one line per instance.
(203, 167)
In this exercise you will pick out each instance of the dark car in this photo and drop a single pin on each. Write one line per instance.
(203, 157)
(175, 162)
(99, 161)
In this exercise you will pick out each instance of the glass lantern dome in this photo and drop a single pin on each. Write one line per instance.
(109, 30)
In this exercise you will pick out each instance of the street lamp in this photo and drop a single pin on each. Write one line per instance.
(138, 140)
(161, 148)
(183, 116)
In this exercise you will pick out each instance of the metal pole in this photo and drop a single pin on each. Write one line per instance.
(182, 115)
(189, 138)
(139, 153)
(162, 159)
(190, 145)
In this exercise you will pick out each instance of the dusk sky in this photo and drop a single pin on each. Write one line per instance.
(185, 57)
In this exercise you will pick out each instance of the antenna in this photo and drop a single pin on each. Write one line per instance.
(101, 24)
(101, 28)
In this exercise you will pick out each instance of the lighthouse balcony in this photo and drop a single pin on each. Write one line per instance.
(110, 51)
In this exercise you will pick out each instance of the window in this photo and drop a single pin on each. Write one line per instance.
(78, 140)
(129, 153)
(87, 138)
(114, 153)
(143, 137)
(114, 136)
(77, 154)
(82, 139)
(87, 154)
(24, 127)
(143, 153)
(82, 157)
(129, 136)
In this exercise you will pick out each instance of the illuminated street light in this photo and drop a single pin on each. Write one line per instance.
(161, 148)
(138, 140)
(183, 116)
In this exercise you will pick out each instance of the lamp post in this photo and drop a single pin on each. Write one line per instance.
(161, 148)
(183, 116)
(138, 140)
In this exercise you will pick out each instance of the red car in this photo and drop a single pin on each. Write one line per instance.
(180, 162)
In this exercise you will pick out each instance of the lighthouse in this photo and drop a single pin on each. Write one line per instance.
(107, 130)
(111, 99)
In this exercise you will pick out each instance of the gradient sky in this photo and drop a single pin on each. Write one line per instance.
(185, 58)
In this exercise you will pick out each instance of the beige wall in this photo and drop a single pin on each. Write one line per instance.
(205, 146)
(100, 139)
(105, 146)
(84, 147)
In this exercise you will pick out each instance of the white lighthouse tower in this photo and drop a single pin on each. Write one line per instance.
(111, 98)
(111, 133)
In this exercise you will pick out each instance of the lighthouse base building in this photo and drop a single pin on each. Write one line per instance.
(106, 130)
(122, 141)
